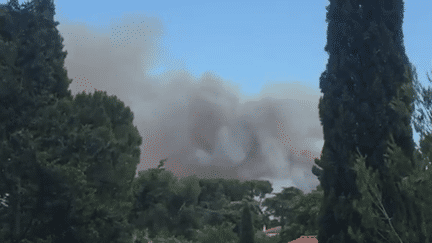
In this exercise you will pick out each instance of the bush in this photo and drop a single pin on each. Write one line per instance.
(217, 234)
(142, 236)
(209, 234)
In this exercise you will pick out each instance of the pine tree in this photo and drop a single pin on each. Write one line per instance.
(96, 156)
(303, 221)
(154, 200)
(365, 73)
(107, 145)
(247, 233)
(377, 225)
(282, 206)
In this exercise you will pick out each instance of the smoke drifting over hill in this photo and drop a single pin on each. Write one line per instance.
(203, 125)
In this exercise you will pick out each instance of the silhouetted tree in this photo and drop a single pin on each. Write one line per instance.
(247, 233)
(88, 141)
(367, 74)
(31, 77)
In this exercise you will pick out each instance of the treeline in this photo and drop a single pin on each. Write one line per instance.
(212, 210)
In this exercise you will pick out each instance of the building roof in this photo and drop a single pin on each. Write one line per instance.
(273, 230)
(305, 239)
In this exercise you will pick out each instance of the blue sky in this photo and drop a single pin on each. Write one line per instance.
(254, 65)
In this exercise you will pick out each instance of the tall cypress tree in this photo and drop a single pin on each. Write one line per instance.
(247, 233)
(365, 72)
(31, 74)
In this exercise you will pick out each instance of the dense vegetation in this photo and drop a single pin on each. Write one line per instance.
(68, 163)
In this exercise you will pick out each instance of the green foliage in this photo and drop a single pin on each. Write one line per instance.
(261, 237)
(32, 77)
(377, 225)
(157, 186)
(96, 160)
(374, 215)
(258, 188)
(220, 233)
(220, 201)
(76, 144)
(247, 232)
(212, 194)
(142, 236)
(103, 149)
(215, 234)
(40, 196)
(189, 190)
(421, 125)
(363, 103)
(165, 203)
(282, 204)
(233, 188)
(78, 152)
(152, 193)
(306, 210)
(35, 47)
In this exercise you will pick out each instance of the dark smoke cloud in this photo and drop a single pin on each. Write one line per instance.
(203, 125)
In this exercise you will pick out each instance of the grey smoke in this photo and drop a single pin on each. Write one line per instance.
(203, 125)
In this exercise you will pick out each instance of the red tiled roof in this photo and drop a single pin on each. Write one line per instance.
(274, 230)
(305, 239)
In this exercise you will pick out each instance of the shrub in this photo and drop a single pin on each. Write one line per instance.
(142, 236)
(217, 234)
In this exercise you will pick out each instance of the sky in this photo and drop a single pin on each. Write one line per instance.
(223, 89)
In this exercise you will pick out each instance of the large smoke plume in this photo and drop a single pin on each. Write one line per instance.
(203, 125)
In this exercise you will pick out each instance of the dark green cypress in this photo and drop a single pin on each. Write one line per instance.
(247, 234)
(21, 30)
(365, 72)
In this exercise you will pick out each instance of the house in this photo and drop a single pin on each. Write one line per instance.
(273, 231)
(306, 239)
(303, 239)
